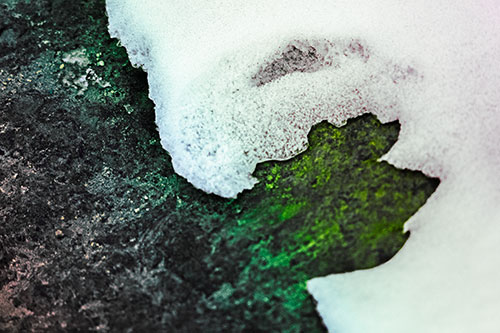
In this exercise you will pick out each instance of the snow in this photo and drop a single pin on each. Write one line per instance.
(239, 82)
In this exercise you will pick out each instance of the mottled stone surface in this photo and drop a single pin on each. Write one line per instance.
(97, 233)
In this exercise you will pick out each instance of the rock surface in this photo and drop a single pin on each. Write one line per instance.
(97, 233)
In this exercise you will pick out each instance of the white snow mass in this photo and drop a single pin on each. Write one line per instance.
(239, 82)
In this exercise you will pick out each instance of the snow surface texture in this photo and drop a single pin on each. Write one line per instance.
(240, 82)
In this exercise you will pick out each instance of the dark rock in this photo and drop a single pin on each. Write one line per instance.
(97, 232)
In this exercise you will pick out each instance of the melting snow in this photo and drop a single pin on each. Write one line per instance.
(239, 82)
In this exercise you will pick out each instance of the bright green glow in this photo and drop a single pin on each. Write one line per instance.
(334, 208)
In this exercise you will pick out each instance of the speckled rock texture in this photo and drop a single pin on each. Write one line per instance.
(97, 233)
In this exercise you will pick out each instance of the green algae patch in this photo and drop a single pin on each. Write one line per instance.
(333, 208)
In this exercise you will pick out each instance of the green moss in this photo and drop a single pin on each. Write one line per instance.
(290, 211)
(334, 208)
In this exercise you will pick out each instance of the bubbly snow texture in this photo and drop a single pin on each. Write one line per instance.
(239, 82)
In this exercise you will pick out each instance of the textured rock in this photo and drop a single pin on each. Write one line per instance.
(142, 249)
